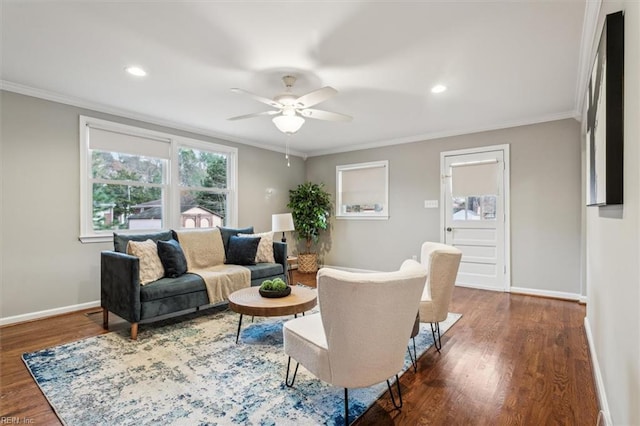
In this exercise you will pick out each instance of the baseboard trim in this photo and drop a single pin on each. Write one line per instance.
(479, 287)
(597, 376)
(547, 293)
(344, 268)
(47, 313)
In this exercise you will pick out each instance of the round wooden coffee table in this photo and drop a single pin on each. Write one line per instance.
(248, 301)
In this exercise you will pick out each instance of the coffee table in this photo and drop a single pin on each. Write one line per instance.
(248, 301)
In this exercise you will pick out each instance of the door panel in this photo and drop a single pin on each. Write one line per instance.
(484, 254)
(486, 270)
(474, 215)
(464, 234)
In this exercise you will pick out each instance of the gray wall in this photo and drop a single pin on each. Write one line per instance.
(44, 266)
(545, 204)
(43, 258)
(613, 255)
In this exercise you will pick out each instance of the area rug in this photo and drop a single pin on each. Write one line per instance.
(190, 371)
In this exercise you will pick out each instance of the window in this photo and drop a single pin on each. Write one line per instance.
(474, 190)
(203, 187)
(481, 207)
(137, 179)
(363, 190)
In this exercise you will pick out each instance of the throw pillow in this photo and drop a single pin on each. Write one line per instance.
(242, 250)
(265, 248)
(120, 241)
(229, 232)
(172, 258)
(150, 265)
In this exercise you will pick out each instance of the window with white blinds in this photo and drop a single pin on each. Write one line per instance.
(474, 190)
(134, 180)
(363, 190)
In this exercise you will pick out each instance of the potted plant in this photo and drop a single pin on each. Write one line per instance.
(310, 207)
(274, 288)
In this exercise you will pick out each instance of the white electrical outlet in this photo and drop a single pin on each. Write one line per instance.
(430, 204)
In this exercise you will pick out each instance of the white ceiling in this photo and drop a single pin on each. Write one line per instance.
(505, 63)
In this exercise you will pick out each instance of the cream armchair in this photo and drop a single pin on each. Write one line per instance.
(442, 262)
(360, 336)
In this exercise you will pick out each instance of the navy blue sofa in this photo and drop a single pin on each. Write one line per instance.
(122, 294)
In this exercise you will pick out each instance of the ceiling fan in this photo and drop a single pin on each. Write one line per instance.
(291, 109)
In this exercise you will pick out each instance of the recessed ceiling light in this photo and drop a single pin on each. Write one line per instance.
(137, 71)
(438, 88)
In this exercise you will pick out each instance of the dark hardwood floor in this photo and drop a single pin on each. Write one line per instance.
(510, 360)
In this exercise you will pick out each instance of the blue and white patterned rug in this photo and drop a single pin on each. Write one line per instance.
(190, 371)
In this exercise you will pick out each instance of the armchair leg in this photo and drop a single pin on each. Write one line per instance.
(134, 331)
(435, 329)
(105, 318)
(346, 407)
(413, 355)
(293, 379)
(398, 404)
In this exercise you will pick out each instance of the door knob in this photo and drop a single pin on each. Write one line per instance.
(448, 229)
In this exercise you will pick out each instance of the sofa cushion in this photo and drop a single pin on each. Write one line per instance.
(229, 232)
(265, 248)
(172, 258)
(170, 287)
(264, 270)
(120, 240)
(150, 266)
(242, 250)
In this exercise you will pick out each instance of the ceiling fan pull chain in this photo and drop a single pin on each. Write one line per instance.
(286, 155)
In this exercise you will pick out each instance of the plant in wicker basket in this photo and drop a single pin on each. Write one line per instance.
(310, 207)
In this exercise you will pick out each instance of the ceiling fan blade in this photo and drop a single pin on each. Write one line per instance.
(315, 97)
(259, 98)
(255, 114)
(324, 115)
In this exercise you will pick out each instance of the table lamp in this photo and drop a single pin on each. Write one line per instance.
(282, 223)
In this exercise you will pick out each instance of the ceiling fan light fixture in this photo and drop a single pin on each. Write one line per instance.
(288, 124)
(289, 111)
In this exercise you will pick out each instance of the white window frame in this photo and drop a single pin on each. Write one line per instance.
(171, 188)
(382, 215)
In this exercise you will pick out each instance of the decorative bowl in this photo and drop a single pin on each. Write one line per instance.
(275, 293)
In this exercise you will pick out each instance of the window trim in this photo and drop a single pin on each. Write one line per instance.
(172, 185)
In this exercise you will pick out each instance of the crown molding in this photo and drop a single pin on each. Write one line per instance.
(120, 112)
(94, 106)
(438, 135)
(589, 32)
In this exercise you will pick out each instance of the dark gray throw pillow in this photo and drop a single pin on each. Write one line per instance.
(242, 250)
(229, 232)
(172, 258)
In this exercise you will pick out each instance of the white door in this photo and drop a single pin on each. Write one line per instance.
(475, 214)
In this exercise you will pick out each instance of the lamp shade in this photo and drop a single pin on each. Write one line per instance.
(282, 222)
(288, 124)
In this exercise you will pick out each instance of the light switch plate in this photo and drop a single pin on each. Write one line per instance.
(430, 204)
